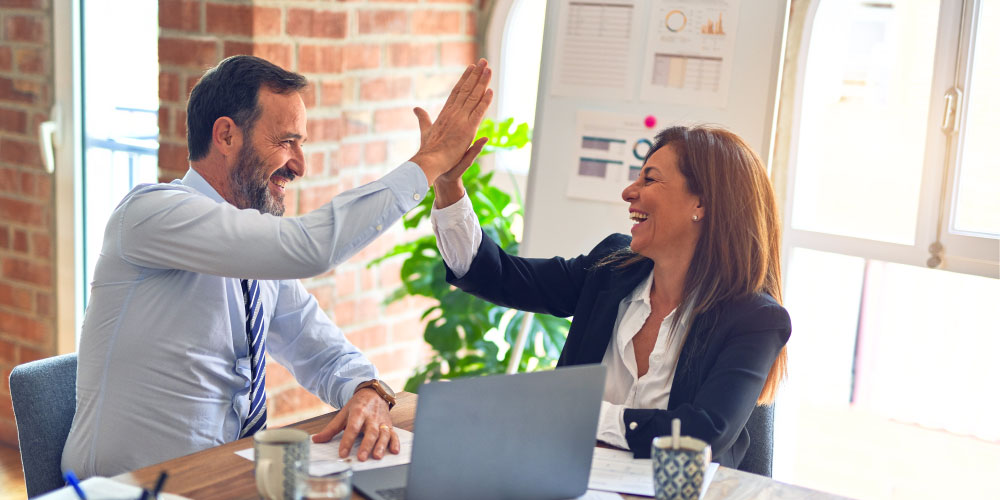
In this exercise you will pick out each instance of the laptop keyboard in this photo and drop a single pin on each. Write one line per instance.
(392, 493)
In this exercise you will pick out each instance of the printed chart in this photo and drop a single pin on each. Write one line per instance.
(689, 52)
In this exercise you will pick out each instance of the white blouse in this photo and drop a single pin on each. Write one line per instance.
(458, 238)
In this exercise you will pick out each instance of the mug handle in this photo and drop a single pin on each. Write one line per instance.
(262, 474)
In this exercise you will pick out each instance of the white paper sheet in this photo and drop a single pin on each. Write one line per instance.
(599, 495)
(104, 489)
(594, 46)
(617, 470)
(324, 458)
(609, 152)
(689, 52)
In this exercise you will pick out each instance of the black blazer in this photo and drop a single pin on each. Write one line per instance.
(725, 359)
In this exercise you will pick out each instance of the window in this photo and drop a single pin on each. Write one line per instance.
(892, 235)
(515, 40)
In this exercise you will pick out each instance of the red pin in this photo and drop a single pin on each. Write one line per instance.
(650, 121)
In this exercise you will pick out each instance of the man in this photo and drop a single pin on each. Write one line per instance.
(193, 273)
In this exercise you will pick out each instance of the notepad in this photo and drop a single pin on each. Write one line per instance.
(105, 489)
(617, 470)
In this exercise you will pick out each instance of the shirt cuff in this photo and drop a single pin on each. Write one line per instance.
(408, 183)
(458, 234)
(611, 426)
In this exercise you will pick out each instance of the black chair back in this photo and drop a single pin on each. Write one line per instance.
(760, 454)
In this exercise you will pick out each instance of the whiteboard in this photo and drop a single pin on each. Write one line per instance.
(558, 224)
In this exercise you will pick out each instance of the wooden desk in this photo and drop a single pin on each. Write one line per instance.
(218, 473)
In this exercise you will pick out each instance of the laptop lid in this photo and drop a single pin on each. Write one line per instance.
(525, 436)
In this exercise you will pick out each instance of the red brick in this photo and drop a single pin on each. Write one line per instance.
(409, 55)
(277, 53)
(17, 298)
(43, 304)
(182, 15)
(266, 21)
(180, 124)
(30, 61)
(320, 59)
(385, 88)
(191, 82)
(357, 123)
(331, 93)
(20, 153)
(458, 53)
(24, 29)
(27, 271)
(309, 96)
(325, 129)
(27, 354)
(277, 376)
(344, 312)
(13, 121)
(20, 241)
(10, 181)
(173, 157)
(38, 185)
(242, 20)
(18, 91)
(26, 329)
(436, 22)
(291, 400)
(8, 432)
(323, 295)
(41, 245)
(316, 23)
(23, 4)
(22, 211)
(313, 197)
(196, 54)
(395, 359)
(375, 152)
(382, 22)
(471, 23)
(349, 155)
(6, 59)
(392, 119)
(8, 352)
(369, 337)
(170, 86)
(362, 57)
(4, 237)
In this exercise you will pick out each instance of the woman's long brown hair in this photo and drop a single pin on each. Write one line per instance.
(739, 251)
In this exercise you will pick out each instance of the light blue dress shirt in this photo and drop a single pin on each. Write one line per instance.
(164, 367)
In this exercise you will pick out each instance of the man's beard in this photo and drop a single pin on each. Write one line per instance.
(252, 191)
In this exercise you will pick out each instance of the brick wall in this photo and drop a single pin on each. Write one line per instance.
(368, 64)
(27, 283)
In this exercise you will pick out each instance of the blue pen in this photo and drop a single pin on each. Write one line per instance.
(75, 483)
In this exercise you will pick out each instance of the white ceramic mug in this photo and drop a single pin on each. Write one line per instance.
(279, 456)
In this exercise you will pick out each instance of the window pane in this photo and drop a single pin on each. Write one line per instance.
(866, 94)
(120, 102)
(977, 205)
(521, 55)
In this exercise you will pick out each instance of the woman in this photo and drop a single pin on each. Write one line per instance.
(685, 314)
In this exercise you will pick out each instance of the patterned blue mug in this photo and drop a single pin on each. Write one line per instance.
(679, 473)
(280, 455)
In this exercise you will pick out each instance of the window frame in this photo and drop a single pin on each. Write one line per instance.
(961, 253)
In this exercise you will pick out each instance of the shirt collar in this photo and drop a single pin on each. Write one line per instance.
(194, 180)
(641, 292)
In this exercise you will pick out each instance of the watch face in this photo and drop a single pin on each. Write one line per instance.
(388, 390)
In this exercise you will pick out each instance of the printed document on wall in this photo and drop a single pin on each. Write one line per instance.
(594, 46)
(689, 52)
(610, 148)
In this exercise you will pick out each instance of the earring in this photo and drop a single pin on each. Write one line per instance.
(694, 217)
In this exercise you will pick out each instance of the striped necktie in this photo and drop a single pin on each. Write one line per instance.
(257, 417)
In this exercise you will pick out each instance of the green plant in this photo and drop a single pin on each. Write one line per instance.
(470, 336)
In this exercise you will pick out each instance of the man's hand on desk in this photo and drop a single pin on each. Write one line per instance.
(366, 412)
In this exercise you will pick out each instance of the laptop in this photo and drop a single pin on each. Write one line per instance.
(526, 436)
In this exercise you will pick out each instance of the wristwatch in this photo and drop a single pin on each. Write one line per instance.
(382, 389)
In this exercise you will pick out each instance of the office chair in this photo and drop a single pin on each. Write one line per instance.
(44, 396)
(760, 453)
